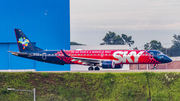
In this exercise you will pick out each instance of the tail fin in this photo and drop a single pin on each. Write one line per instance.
(24, 44)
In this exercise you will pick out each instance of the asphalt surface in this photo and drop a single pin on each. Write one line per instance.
(101, 71)
(122, 71)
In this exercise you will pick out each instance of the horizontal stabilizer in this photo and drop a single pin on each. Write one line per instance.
(17, 53)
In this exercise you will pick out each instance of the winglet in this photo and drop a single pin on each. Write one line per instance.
(64, 53)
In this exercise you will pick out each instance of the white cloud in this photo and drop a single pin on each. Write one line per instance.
(174, 26)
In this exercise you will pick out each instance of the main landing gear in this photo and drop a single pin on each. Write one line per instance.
(95, 68)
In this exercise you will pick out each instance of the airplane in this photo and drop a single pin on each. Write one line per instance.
(106, 59)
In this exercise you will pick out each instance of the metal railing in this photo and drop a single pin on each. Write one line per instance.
(34, 90)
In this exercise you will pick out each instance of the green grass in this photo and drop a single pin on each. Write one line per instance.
(91, 86)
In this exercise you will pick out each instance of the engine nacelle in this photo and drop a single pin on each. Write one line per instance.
(110, 64)
(107, 64)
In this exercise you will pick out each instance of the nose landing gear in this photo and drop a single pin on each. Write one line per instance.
(155, 67)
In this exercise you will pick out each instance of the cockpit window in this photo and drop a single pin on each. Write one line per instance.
(155, 53)
(160, 53)
(160, 57)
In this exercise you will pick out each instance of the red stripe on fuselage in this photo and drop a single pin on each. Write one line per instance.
(129, 56)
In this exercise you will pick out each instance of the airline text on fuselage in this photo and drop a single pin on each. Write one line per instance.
(123, 56)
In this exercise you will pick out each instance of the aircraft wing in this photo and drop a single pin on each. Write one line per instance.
(84, 60)
(79, 59)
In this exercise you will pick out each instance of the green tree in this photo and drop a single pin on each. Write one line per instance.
(127, 40)
(153, 45)
(75, 43)
(112, 39)
(176, 39)
(108, 39)
(118, 40)
(147, 46)
(175, 48)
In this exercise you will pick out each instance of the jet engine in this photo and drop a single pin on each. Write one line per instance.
(110, 64)
(107, 64)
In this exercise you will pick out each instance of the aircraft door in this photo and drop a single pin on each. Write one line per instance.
(44, 56)
(102, 54)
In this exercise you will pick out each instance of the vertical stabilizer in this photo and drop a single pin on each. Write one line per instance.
(24, 44)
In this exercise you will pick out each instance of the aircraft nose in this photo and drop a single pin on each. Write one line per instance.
(168, 59)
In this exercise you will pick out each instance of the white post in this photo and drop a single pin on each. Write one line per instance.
(34, 94)
(147, 66)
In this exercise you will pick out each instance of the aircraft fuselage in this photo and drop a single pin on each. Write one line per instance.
(118, 56)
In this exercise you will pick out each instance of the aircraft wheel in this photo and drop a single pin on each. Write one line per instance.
(97, 68)
(90, 68)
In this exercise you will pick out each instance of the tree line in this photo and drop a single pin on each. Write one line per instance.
(174, 50)
(111, 38)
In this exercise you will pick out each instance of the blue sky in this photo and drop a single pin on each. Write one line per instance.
(144, 20)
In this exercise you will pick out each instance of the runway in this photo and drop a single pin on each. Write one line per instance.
(100, 71)
(120, 71)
